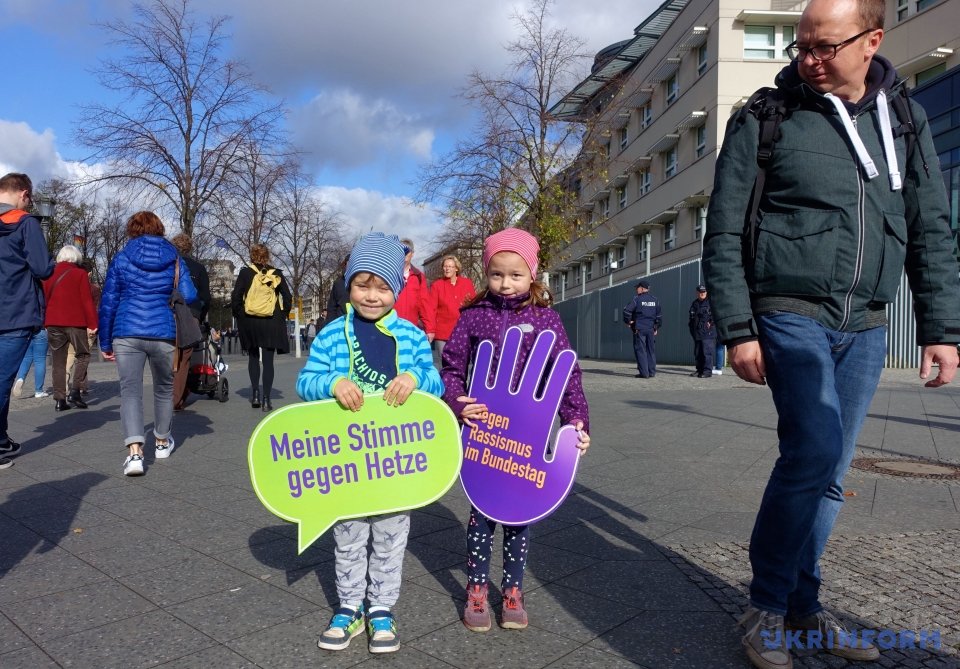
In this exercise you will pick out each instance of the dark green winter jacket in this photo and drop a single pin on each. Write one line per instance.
(831, 243)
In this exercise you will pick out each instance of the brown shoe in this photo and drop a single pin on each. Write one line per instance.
(514, 616)
(476, 612)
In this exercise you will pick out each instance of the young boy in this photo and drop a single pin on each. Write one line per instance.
(369, 349)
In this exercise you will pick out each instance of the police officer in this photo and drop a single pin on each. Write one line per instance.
(703, 333)
(642, 316)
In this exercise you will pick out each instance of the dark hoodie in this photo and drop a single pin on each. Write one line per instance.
(839, 219)
(24, 262)
(136, 294)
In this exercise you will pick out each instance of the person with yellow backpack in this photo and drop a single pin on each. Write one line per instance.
(261, 303)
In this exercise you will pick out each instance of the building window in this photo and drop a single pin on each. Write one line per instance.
(931, 73)
(644, 182)
(646, 116)
(701, 59)
(587, 270)
(622, 197)
(923, 4)
(700, 223)
(606, 207)
(620, 256)
(670, 163)
(902, 9)
(701, 141)
(624, 136)
(669, 236)
(767, 42)
(563, 281)
(672, 88)
(641, 248)
(605, 262)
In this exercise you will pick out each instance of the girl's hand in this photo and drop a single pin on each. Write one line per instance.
(348, 394)
(583, 439)
(471, 411)
(398, 390)
(109, 356)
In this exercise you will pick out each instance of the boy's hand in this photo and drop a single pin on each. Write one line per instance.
(348, 394)
(583, 439)
(398, 390)
(471, 411)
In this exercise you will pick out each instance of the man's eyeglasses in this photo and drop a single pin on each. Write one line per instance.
(821, 52)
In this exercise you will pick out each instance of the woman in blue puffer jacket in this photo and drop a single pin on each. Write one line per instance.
(137, 325)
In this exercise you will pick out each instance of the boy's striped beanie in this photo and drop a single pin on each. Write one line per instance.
(380, 254)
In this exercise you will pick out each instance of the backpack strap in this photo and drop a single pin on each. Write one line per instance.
(907, 129)
(769, 107)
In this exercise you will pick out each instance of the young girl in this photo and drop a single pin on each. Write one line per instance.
(513, 297)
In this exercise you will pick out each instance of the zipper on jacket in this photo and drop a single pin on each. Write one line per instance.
(861, 233)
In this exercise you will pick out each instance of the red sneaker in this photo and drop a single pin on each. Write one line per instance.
(476, 612)
(514, 615)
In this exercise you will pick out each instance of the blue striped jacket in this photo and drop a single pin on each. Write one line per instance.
(331, 359)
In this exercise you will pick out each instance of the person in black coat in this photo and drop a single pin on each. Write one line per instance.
(199, 309)
(261, 336)
(704, 334)
(339, 296)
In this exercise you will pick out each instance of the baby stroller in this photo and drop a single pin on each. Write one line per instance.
(207, 368)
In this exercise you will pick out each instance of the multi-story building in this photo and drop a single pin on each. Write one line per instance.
(655, 108)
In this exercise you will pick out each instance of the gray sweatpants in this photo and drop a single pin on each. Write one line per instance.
(132, 354)
(385, 563)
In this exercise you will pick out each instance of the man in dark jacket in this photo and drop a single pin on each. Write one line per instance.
(703, 333)
(800, 304)
(339, 296)
(24, 261)
(199, 309)
(643, 318)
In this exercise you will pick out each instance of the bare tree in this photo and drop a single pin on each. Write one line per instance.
(187, 115)
(506, 172)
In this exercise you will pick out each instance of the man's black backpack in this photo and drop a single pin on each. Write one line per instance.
(770, 107)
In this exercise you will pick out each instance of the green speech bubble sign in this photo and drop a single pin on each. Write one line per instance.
(314, 463)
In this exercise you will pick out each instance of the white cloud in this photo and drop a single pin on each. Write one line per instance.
(342, 129)
(33, 153)
(365, 211)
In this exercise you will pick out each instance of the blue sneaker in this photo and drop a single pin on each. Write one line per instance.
(345, 624)
(382, 632)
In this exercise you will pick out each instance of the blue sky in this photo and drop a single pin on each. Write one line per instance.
(372, 85)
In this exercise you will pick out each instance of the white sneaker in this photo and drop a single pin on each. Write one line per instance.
(718, 372)
(164, 451)
(133, 465)
(41, 394)
(17, 386)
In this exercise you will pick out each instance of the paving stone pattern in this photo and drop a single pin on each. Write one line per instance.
(644, 565)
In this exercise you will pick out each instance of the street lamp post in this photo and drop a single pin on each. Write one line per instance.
(45, 207)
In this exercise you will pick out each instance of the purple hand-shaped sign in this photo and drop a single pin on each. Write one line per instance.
(507, 473)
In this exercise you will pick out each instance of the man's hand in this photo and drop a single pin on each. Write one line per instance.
(398, 390)
(945, 355)
(348, 394)
(747, 361)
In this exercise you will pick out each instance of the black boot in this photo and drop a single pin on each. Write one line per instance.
(267, 405)
(76, 400)
(61, 405)
(255, 398)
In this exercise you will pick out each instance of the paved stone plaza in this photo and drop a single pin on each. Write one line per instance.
(644, 565)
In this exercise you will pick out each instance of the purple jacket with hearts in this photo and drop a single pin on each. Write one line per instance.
(489, 318)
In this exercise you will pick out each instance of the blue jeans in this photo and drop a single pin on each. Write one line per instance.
(822, 383)
(37, 356)
(132, 354)
(719, 359)
(13, 344)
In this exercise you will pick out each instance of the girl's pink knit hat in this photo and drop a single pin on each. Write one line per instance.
(519, 241)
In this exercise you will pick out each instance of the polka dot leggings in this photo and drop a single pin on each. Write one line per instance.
(516, 542)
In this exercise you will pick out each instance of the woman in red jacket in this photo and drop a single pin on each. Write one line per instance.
(70, 317)
(447, 295)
